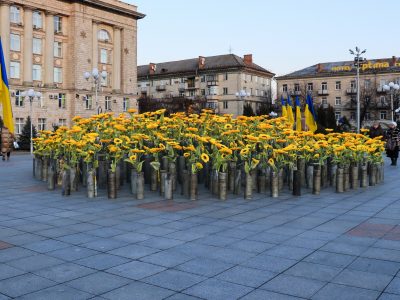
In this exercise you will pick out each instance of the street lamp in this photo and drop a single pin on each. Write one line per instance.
(31, 94)
(392, 88)
(273, 114)
(241, 95)
(358, 61)
(96, 77)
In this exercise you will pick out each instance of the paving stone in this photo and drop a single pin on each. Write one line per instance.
(46, 246)
(168, 258)
(218, 289)
(246, 276)
(138, 290)
(64, 272)
(102, 261)
(35, 262)
(394, 286)
(289, 252)
(133, 251)
(174, 280)
(204, 266)
(375, 266)
(23, 284)
(313, 271)
(98, 283)
(330, 259)
(344, 248)
(14, 253)
(251, 246)
(59, 292)
(136, 270)
(181, 296)
(72, 253)
(365, 280)
(263, 295)
(270, 263)
(161, 243)
(386, 296)
(77, 238)
(295, 286)
(104, 244)
(342, 292)
(384, 254)
(8, 271)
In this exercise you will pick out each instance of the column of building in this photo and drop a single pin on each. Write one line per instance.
(49, 51)
(117, 55)
(5, 31)
(28, 40)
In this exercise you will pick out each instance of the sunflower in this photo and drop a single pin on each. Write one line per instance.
(244, 151)
(186, 154)
(205, 157)
(199, 166)
(228, 126)
(132, 157)
(117, 141)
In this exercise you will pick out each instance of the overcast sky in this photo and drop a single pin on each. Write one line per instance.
(282, 35)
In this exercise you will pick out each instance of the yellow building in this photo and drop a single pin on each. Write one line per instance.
(49, 45)
(334, 84)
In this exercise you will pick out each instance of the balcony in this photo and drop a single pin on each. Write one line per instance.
(212, 82)
(161, 88)
(383, 105)
(191, 86)
(181, 87)
(351, 91)
(323, 92)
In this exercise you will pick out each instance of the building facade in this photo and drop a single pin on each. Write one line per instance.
(216, 79)
(49, 45)
(335, 84)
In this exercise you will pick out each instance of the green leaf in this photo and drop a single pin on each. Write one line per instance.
(155, 165)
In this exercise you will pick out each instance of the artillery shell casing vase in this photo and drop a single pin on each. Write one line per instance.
(317, 180)
(51, 178)
(364, 176)
(372, 175)
(73, 178)
(84, 174)
(118, 176)
(238, 182)
(140, 186)
(333, 170)
(91, 183)
(310, 176)
(168, 188)
(193, 187)
(147, 169)
(163, 176)
(262, 183)
(154, 179)
(339, 180)
(301, 166)
(274, 184)
(280, 179)
(112, 185)
(45, 166)
(214, 182)
(185, 183)
(222, 181)
(172, 171)
(231, 176)
(102, 178)
(181, 168)
(354, 177)
(248, 190)
(346, 178)
(134, 176)
(290, 178)
(324, 175)
(66, 183)
(39, 169)
(297, 183)
(254, 179)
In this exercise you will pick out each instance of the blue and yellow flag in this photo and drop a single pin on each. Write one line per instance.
(284, 112)
(289, 110)
(298, 114)
(5, 94)
(311, 119)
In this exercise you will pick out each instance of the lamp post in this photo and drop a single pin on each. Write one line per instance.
(31, 94)
(96, 76)
(358, 61)
(273, 114)
(391, 88)
(241, 95)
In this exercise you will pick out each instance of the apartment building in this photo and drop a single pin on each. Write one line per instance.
(335, 84)
(49, 45)
(225, 82)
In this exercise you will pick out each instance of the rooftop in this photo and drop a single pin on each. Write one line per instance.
(217, 62)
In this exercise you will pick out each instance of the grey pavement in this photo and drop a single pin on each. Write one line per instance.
(331, 246)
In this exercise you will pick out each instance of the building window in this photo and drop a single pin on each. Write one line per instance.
(284, 88)
(181, 94)
(256, 92)
(104, 80)
(324, 101)
(15, 70)
(19, 124)
(226, 76)
(15, 15)
(382, 99)
(367, 116)
(57, 24)
(103, 56)
(37, 72)
(42, 124)
(62, 101)
(203, 78)
(256, 79)
(15, 42)
(103, 35)
(62, 122)
(19, 100)
(37, 46)
(367, 83)
(338, 115)
(310, 86)
(338, 85)
(225, 104)
(57, 49)
(297, 87)
(225, 91)
(251, 91)
(203, 92)
(324, 86)
(37, 20)
(382, 115)
(57, 75)
(338, 101)
(353, 84)
(88, 102)
(108, 102)
(352, 115)
(125, 104)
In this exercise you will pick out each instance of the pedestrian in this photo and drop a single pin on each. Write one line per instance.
(7, 143)
(392, 142)
(376, 130)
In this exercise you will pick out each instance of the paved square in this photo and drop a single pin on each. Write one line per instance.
(332, 246)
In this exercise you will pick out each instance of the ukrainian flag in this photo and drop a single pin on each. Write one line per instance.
(5, 94)
(298, 114)
(289, 110)
(310, 115)
(284, 112)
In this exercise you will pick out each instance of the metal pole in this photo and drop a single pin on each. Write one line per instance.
(358, 93)
(30, 101)
(391, 105)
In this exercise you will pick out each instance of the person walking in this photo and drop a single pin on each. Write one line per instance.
(392, 142)
(376, 130)
(7, 142)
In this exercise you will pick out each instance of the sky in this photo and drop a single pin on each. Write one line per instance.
(282, 35)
